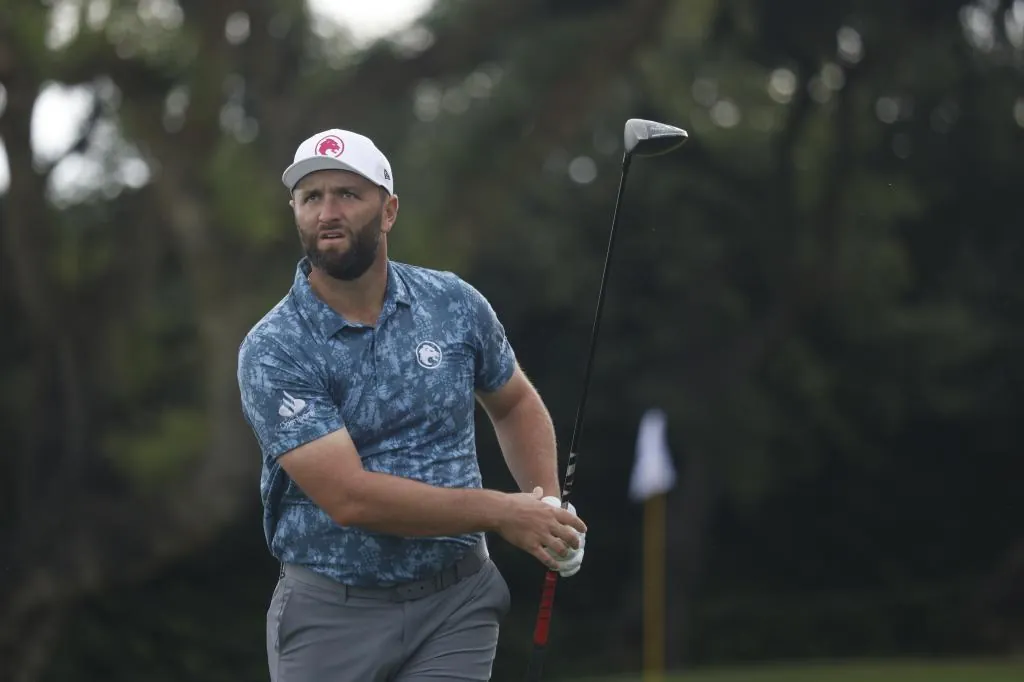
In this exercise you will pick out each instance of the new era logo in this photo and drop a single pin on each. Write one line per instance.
(387, 176)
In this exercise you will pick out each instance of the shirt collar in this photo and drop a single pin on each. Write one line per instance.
(323, 318)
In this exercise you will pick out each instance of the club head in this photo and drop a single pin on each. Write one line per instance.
(650, 138)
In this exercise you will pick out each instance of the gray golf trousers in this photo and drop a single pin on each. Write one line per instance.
(441, 628)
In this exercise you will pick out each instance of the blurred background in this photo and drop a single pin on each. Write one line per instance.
(823, 291)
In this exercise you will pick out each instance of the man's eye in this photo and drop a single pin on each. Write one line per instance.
(310, 197)
(346, 193)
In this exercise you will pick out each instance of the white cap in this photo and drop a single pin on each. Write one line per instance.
(340, 150)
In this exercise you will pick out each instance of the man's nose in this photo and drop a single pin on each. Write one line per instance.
(330, 209)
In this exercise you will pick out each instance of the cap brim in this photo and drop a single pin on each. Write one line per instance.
(301, 169)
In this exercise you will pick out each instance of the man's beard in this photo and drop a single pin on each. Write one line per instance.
(351, 263)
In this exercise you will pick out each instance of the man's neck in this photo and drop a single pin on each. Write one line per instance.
(359, 300)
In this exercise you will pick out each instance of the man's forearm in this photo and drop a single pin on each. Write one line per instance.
(401, 506)
(527, 439)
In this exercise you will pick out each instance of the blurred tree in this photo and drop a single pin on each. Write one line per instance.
(821, 289)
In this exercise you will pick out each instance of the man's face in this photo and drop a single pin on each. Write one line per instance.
(340, 217)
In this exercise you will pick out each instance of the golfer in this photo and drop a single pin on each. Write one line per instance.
(360, 387)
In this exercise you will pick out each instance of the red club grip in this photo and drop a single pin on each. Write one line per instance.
(547, 602)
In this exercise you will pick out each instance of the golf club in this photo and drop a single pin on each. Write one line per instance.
(641, 138)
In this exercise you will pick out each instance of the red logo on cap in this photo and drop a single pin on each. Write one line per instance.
(330, 145)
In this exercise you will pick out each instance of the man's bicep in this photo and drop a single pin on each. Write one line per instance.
(285, 403)
(500, 401)
(324, 469)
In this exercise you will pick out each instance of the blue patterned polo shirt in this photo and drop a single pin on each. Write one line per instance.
(404, 389)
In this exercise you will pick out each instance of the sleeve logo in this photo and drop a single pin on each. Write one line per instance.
(291, 406)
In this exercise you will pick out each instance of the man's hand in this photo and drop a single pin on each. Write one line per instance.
(569, 563)
(546, 531)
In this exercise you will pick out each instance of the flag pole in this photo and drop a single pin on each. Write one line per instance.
(653, 477)
(654, 588)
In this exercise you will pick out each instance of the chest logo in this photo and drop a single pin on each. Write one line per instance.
(428, 354)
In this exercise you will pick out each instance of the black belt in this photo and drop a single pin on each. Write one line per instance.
(470, 562)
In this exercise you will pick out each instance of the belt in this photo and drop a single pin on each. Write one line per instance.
(470, 562)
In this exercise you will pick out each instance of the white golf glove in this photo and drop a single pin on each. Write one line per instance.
(569, 564)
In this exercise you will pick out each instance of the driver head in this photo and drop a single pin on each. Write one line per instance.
(650, 138)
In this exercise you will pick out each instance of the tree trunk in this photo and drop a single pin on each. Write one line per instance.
(76, 528)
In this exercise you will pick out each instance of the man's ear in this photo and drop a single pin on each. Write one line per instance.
(390, 212)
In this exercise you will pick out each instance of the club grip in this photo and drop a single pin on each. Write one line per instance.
(547, 602)
(542, 627)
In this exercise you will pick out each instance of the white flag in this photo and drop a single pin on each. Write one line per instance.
(653, 471)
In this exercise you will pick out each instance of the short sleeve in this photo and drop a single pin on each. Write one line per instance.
(284, 400)
(495, 359)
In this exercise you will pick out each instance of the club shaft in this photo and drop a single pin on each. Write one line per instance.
(577, 429)
(547, 600)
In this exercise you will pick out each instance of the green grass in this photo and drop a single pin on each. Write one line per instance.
(901, 671)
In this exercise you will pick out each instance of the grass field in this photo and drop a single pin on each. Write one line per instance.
(902, 671)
